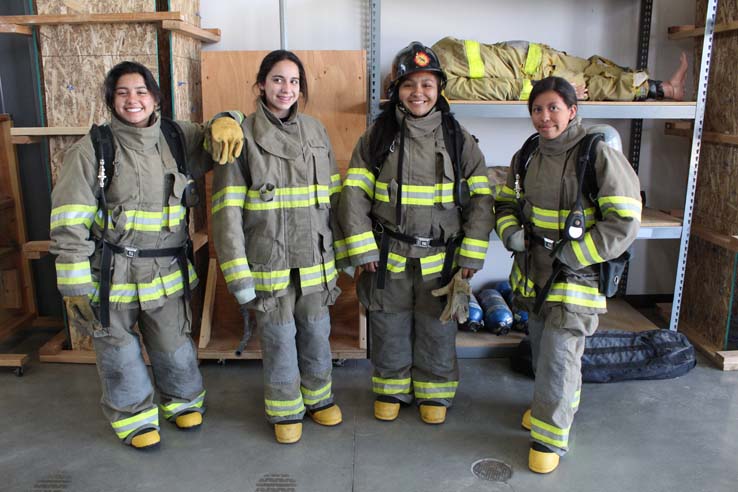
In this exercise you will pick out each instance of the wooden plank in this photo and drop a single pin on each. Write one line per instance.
(710, 350)
(208, 36)
(199, 239)
(11, 294)
(656, 218)
(34, 250)
(53, 346)
(729, 360)
(208, 304)
(25, 140)
(684, 129)
(691, 31)
(120, 18)
(723, 240)
(16, 29)
(14, 360)
(15, 323)
(48, 131)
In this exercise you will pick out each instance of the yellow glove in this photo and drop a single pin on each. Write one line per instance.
(457, 291)
(79, 309)
(226, 140)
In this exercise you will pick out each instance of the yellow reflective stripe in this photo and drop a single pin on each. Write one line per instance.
(271, 281)
(518, 283)
(577, 249)
(591, 248)
(505, 194)
(295, 197)
(624, 206)
(235, 269)
(556, 219)
(474, 248)
(317, 274)
(136, 418)
(335, 184)
(575, 403)
(317, 392)
(73, 273)
(505, 222)
(474, 59)
(360, 178)
(423, 195)
(376, 379)
(579, 295)
(358, 244)
(479, 185)
(173, 215)
(446, 384)
(549, 428)
(283, 403)
(525, 90)
(230, 196)
(68, 215)
(533, 60)
(432, 264)
(396, 263)
(559, 443)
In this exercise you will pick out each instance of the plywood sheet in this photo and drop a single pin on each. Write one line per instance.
(336, 84)
(190, 9)
(98, 40)
(73, 87)
(707, 288)
(50, 7)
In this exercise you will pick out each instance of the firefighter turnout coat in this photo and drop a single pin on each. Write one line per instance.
(506, 71)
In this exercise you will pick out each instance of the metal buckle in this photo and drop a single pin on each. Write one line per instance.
(130, 252)
(423, 242)
(548, 243)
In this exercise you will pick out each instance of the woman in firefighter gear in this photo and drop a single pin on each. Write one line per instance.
(142, 228)
(414, 208)
(273, 231)
(506, 72)
(532, 222)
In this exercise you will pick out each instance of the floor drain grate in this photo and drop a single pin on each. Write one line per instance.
(492, 470)
(53, 483)
(276, 482)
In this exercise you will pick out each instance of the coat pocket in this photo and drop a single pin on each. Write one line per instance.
(322, 175)
(173, 215)
(259, 249)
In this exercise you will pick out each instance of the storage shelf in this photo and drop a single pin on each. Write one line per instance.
(620, 316)
(691, 31)
(656, 224)
(587, 109)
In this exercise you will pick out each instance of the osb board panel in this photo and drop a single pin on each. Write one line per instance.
(186, 79)
(716, 199)
(707, 285)
(73, 87)
(57, 148)
(336, 83)
(186, 47)
(94, 6)
(123, 40)
(189, 8)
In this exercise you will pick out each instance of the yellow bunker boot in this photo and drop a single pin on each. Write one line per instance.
(525, 423)
(146, 439)
(432, 414)
(188, 420)
(329, 416)
(288, 433)
(541, 459)
(386, 408)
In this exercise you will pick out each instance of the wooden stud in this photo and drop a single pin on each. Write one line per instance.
(120, 18)
(46, 131)
(684, 129)
(208, 304)
(16, 29)
(10, 290)
(691, 31)
(208, 36)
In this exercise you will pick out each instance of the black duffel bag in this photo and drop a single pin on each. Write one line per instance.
(615, 355)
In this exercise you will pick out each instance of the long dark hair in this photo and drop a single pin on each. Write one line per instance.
(386, 126)
(560, 86)
(124, 68)
(272, 59)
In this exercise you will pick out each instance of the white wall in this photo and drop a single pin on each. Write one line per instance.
(579, 27)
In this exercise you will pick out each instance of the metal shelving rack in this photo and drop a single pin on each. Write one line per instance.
(601, 110)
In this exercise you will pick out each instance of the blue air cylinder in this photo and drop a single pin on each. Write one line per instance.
(497, 315)
(520, 321)
(505, 289)
(476, 315)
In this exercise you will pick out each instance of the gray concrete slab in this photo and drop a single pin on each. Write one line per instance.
(674, 435)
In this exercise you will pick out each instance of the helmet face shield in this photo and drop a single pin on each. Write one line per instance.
(414, 57)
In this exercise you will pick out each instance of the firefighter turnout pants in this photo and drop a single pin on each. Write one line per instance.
(296, 352)
(413, 352)
(128, 395)
(557, 343)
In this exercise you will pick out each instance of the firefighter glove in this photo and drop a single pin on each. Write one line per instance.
(457, 293)
(226, 140)
(79, 309)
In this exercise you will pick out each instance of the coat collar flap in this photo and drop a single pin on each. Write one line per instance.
(569, 138)
(133, 137)
(275, 136)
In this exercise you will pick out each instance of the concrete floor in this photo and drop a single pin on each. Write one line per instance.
(675, 435)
